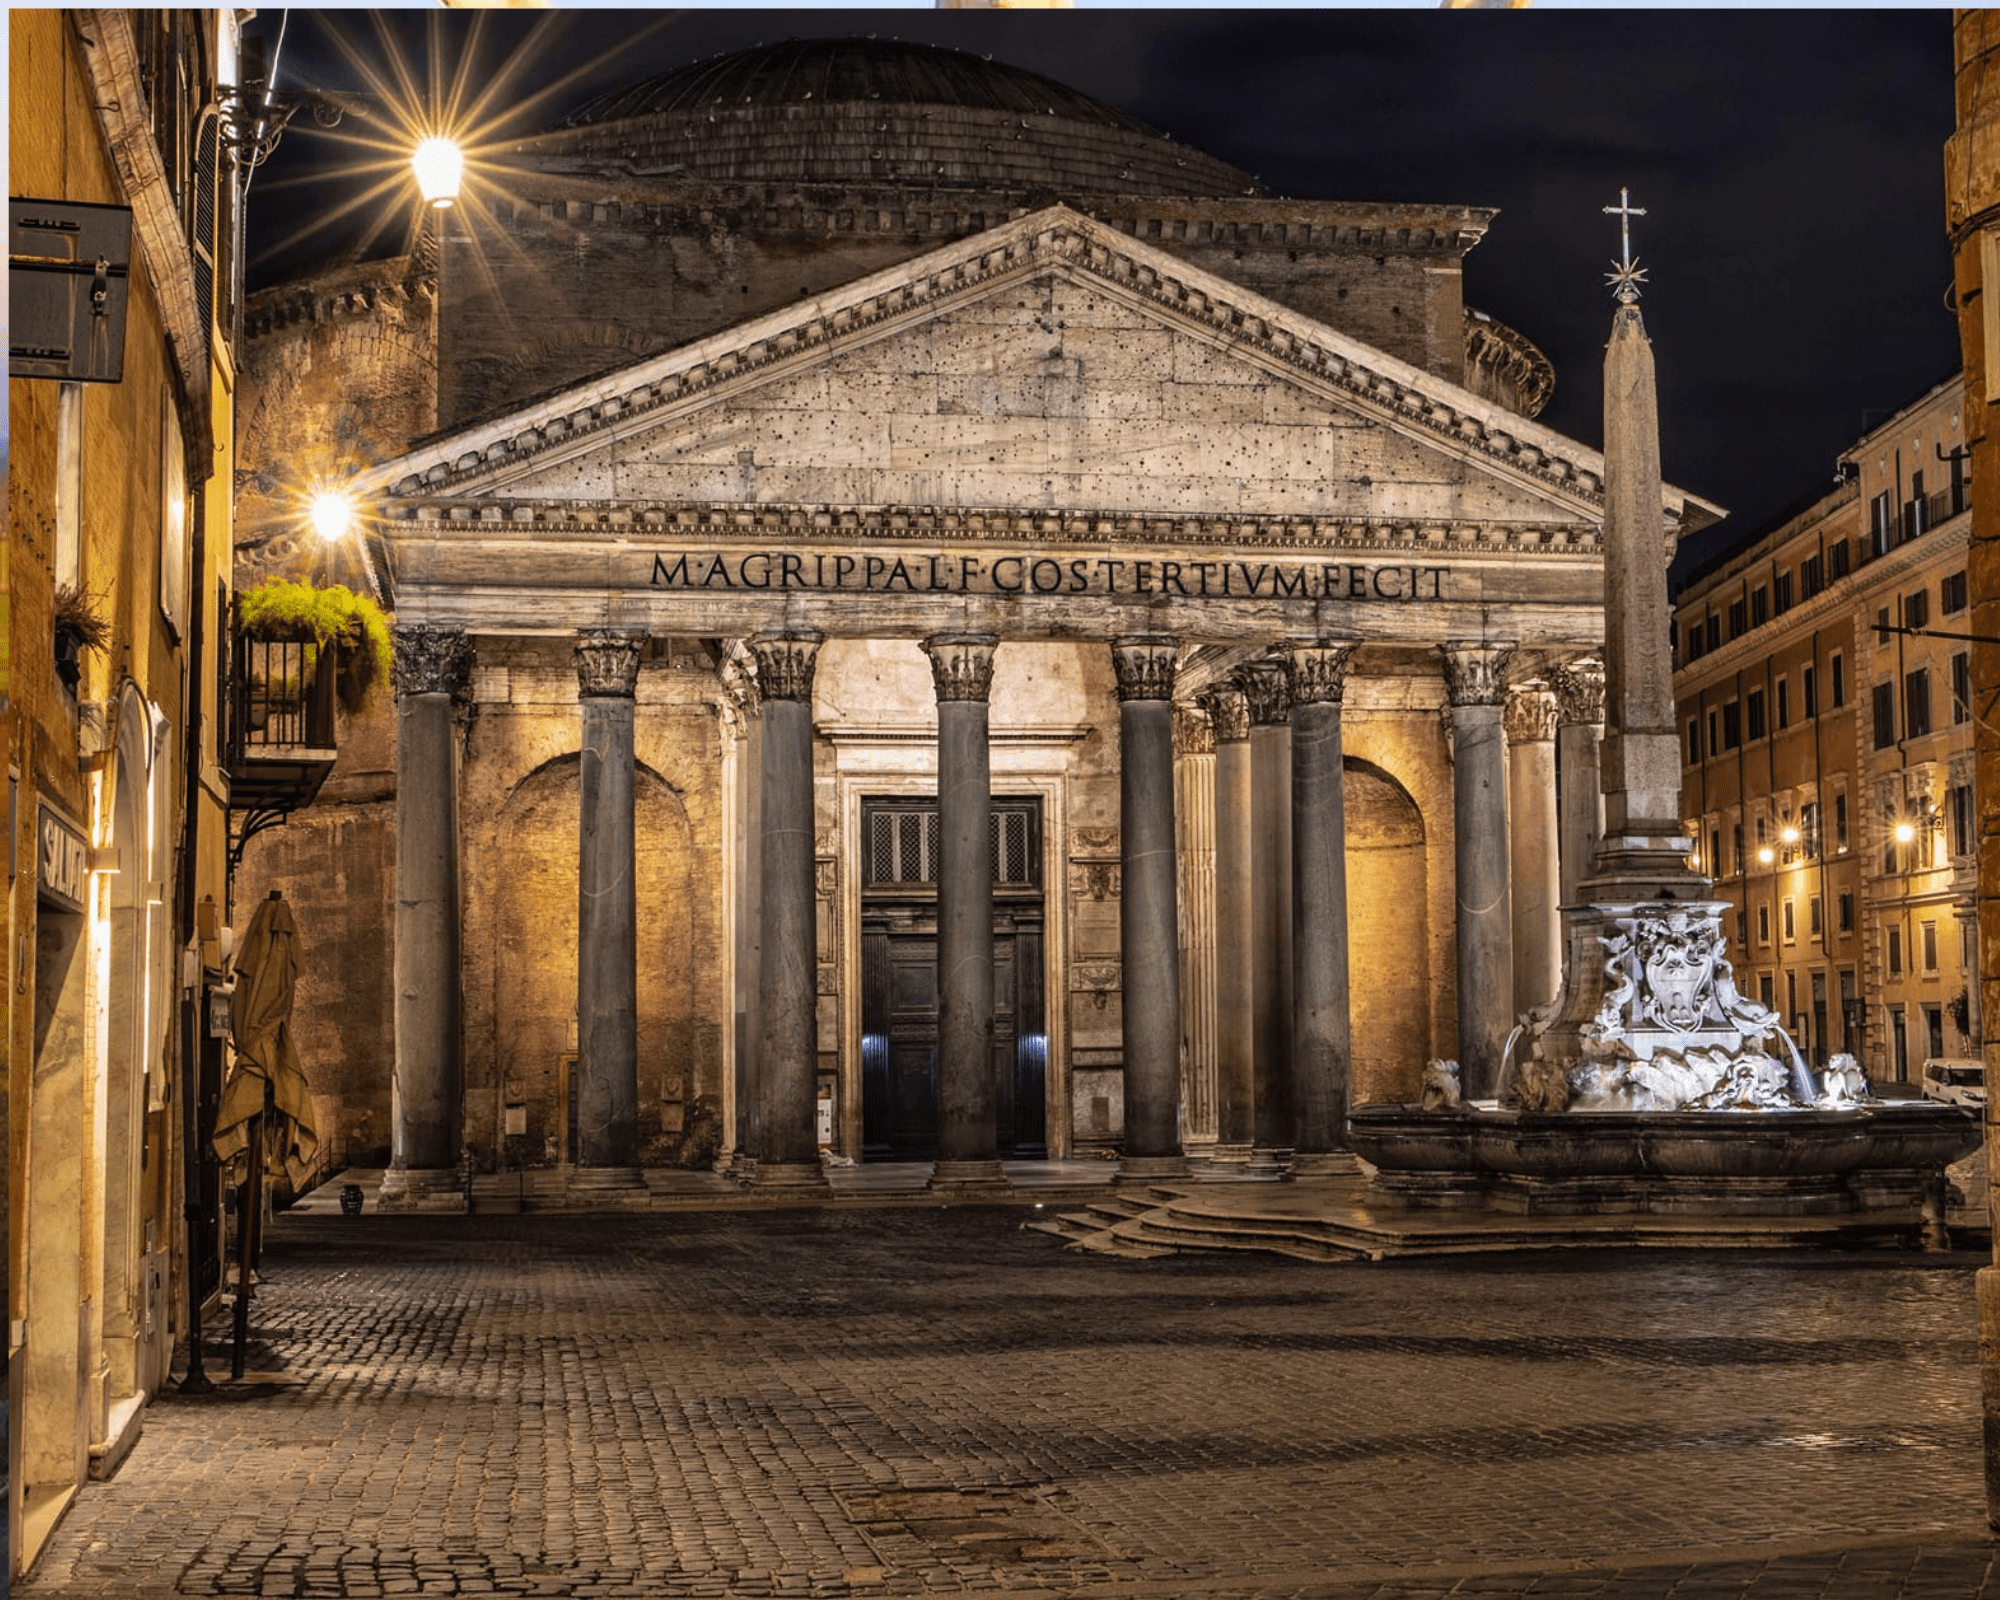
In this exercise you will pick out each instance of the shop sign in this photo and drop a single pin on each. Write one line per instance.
(62, 862)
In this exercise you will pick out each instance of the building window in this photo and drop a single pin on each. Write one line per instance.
(1781, 593)
(1812, 577)
(1917, 609)
(1788, 921)
(1929, 946)
(1840, 823)
(1885, 715)
(1952, 594)
(1837, 559)
(1737, 842)
(1754, 713)
(1934, 1028)
(1958, 811)
(1714, 631)
(1763, 924)
(1895, 938)
(1836, 678)
(1961, 688)
(1815, 917)
(1694, 641)
(1844, 912)
(1737, 619)
(1784, 704)
(1881, 626)
(1694, 741)
(1732, 725)
(1714, 738)
(1809, 692)
(1809, 829)
(1764, 989)
(1715, 850)
(1880, 522)
(1916, 703)
(1760, 606)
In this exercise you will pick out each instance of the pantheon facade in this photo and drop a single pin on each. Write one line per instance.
(933, 622)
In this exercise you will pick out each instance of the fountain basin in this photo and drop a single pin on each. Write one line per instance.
(1880, 1157)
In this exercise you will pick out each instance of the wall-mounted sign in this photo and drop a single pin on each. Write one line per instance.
(62, 862)
(68, 268)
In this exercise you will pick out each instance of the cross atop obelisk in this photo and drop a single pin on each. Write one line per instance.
(1626, 274)
(1642, 856)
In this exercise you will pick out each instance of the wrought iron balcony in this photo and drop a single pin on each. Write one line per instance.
(280, 736)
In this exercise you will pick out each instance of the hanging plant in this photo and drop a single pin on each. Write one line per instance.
(351, 624)
(78, 628)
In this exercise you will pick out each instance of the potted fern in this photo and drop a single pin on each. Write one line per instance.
(335, 617)
(78, 628)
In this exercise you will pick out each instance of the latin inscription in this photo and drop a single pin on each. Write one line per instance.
(1044, 575)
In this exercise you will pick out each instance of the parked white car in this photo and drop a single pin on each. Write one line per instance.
(1955, 1080)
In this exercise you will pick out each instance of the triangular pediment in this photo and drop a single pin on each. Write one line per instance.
(1050, 364)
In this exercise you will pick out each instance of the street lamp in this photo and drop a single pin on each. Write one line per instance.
(439, 165)
(1766, 855)
(332, 514)
(1906, 832)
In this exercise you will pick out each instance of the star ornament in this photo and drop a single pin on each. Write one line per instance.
(1625, 278)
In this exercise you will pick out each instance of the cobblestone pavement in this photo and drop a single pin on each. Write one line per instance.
(931, 1401)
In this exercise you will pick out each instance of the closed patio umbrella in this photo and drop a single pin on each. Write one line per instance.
(260, 1026)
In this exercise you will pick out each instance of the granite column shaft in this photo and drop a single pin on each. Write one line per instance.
(1235, 1002)
(1271, 908)
(1475, 677)
(1149, 932)
(1534, 867)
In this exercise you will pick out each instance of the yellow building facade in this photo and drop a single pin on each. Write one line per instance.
(1824, 691)
(119, 517)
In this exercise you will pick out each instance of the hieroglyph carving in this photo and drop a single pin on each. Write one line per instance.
(431, 660)
(607, 662)
(785, 665)
(961, 665)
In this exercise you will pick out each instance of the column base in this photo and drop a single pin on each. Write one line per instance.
(1268, 1161)
(1148, 1169)
(1325, 1164)
(435, 1189)
(790, 1177)
(620, 1187)
(1229, 1155)
(968, 1178)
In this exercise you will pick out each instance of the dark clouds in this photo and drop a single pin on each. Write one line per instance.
(1790, 164)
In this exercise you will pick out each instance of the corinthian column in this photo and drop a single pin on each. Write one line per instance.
(1579, 691)
(607, 926)
(1534, 864)
(1322, 1046)
(787, 989)
(1476, 683)
(1235, 1001)
(427, 1080)
(967, 1155)
(1149, 933)
(1263, 686)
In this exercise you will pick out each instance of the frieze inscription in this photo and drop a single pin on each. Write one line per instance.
(945, 573)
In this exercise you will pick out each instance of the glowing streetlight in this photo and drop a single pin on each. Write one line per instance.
(1905, 832)
(439, 165)
(332, 514)
(1766, 855)
(1789, 835)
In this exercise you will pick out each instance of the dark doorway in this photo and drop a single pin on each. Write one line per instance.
(899, 1006)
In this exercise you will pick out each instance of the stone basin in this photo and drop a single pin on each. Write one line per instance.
(1887, 1156)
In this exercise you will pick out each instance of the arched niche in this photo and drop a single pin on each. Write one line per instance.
(1389, 977)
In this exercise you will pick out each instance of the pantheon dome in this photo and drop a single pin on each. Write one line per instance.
(868, 110)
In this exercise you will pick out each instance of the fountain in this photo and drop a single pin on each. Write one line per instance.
(1649, 1083)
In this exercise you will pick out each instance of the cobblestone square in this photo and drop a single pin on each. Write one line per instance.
(919, 1400)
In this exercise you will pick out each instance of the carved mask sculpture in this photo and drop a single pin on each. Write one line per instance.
(1679, 955)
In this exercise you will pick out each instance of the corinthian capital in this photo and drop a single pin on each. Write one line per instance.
(607, 662)
(1269, 696)
(1145, 666)
(785, 664)
(1316, 670)
(1579, 687)
(1193, 734)
(1530, 717)
(1475, 674)
(1228, 712)
(430, 660)
(961, 665)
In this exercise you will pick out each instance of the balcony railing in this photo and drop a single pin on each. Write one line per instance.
(280, 736)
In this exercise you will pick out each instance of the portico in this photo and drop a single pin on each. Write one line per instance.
(1001, 587)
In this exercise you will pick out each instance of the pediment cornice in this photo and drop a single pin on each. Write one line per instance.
(499, 454)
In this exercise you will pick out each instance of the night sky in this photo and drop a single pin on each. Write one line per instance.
(1790, 164)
